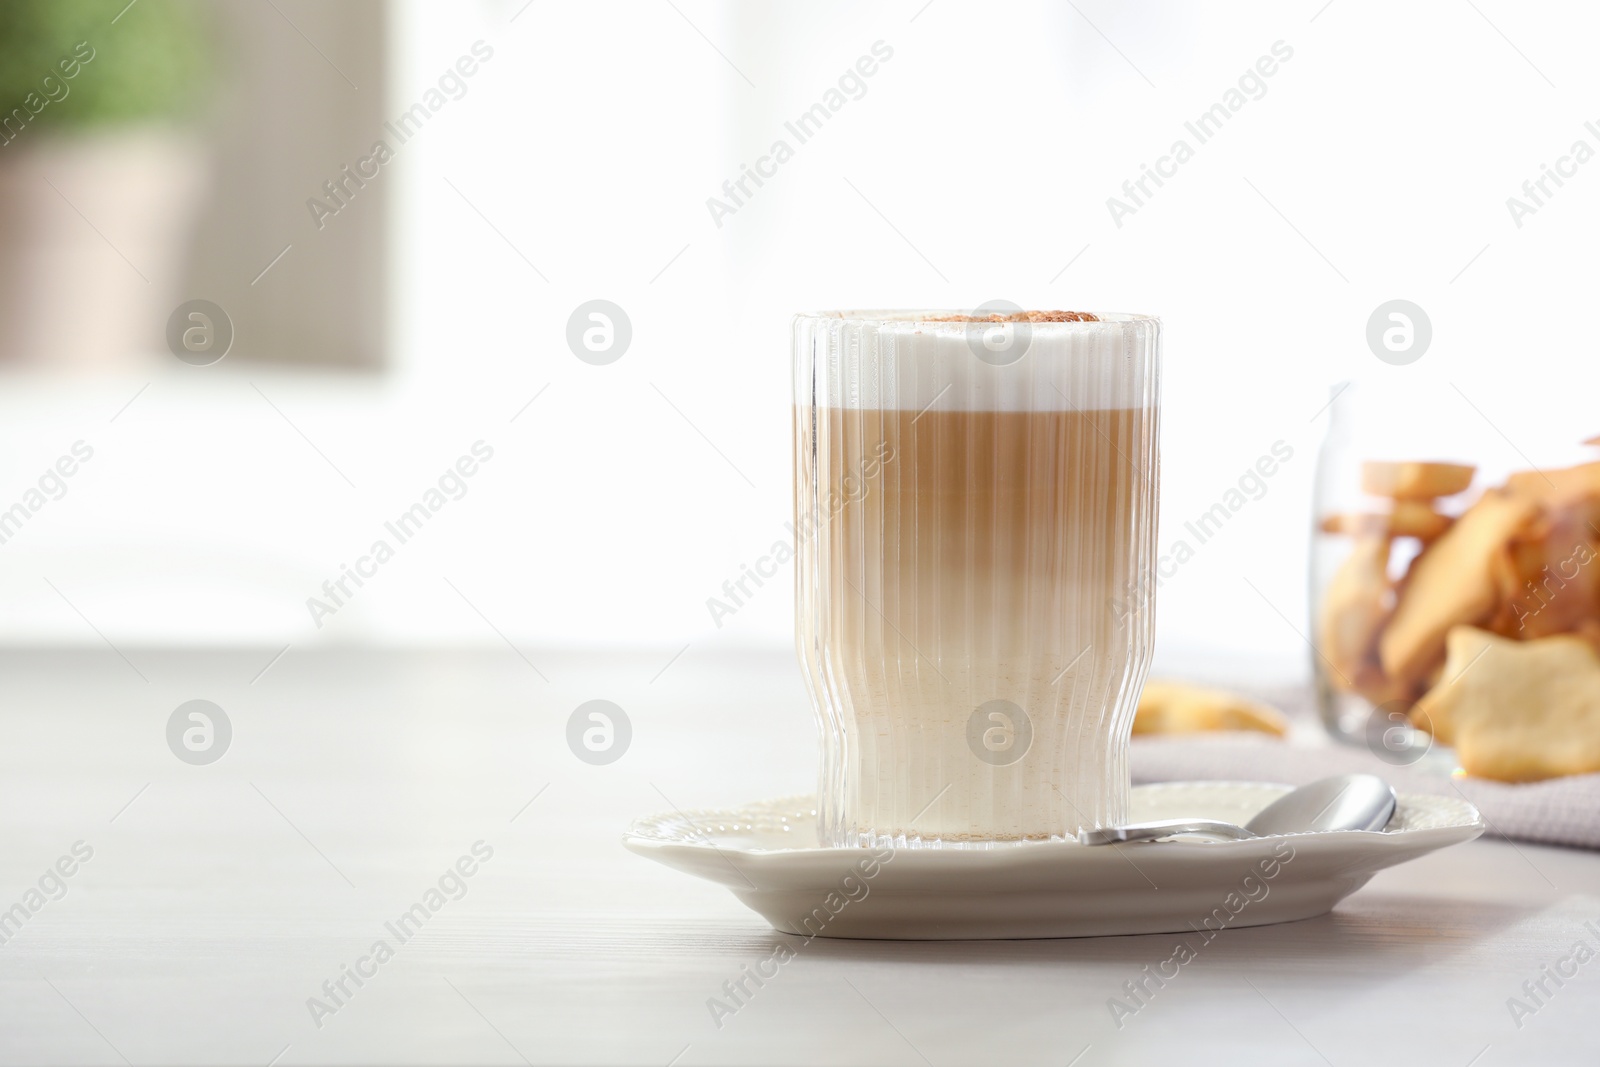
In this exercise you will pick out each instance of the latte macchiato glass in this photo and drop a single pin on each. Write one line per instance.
(975, 513)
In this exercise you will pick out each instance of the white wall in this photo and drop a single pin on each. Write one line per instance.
(991, 141)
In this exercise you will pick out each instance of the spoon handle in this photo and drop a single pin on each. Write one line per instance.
(1150, 831)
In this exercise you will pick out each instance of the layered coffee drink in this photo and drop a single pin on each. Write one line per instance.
(976, 510)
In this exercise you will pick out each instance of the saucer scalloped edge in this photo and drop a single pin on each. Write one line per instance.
(767, 854)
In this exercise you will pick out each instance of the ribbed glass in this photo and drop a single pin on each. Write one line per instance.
(975, 507)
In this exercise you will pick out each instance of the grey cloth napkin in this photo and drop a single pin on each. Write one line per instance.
(1559, 811)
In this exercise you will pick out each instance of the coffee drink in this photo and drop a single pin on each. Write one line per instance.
(976, 538)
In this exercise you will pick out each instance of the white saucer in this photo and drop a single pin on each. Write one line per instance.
(767, 854)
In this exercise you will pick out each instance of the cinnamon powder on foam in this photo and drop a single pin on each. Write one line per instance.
(1022, 316)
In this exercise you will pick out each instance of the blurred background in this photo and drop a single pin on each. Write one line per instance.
(399, 208)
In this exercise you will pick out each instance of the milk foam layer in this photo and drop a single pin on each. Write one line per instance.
(900, 360)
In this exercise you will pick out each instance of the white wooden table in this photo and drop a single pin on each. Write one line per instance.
(219, 898)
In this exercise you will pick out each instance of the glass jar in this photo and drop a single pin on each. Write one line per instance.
(1405, 456)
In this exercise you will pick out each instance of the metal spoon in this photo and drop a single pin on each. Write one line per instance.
(1344, 802)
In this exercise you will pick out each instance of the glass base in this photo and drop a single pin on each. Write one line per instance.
(972, 843)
